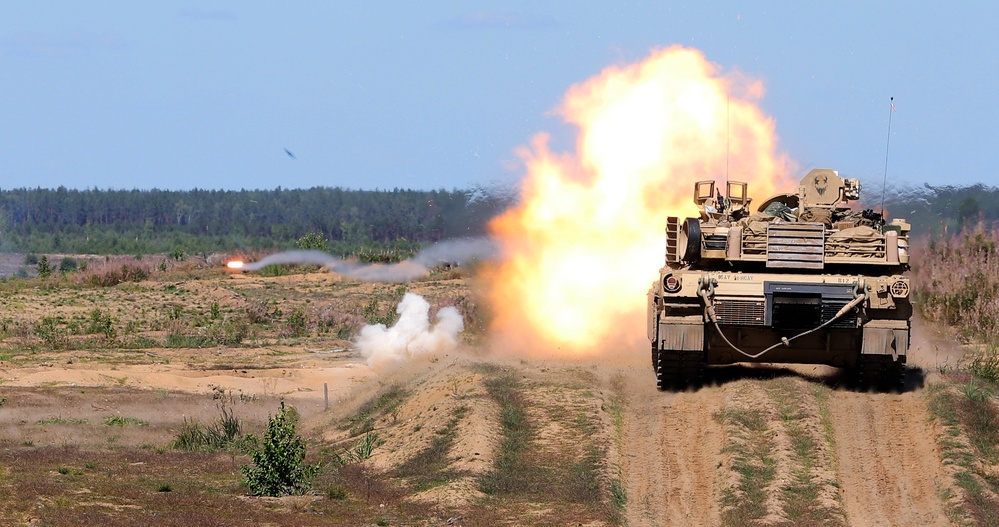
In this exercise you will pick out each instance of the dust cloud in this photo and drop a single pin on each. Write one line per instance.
(412, 335)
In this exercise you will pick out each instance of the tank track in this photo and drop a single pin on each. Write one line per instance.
(677, 370)
(881, 373)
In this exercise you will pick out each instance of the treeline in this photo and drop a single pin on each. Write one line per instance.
(159, 221)
(933, 210)
(52, 221)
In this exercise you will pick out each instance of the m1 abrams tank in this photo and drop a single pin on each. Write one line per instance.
(802, 279)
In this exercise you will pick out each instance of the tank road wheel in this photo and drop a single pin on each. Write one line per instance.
(676, 370)
(881, 373)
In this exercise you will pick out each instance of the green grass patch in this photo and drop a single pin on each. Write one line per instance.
(801, 494)
(225, 432)
(384, 403)
(429, 468)
(122, 420)
(753, 459)
(513, 471)
(967, 411)
(59, 420)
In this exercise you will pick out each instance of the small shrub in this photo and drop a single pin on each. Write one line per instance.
(225, 432)
(44, 270)
(230, 332)
(113, 274)
(296, 325)
(48, 329)
(67, 265)
(313, 241)
(360, 452)
(279, 465)
(331, 319)
(257, 312)
(102, 323)
(336, 492)
(985, 363)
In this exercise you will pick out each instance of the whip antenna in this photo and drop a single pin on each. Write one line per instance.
(728, 133)
(884, 184)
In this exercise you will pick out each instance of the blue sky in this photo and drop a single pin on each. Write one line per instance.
(439, 94)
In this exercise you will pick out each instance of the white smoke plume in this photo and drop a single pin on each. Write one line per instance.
(412, 334)
(457, 251)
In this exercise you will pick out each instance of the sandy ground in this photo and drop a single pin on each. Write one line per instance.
(671, 446)
(889, 470)
(300, 377)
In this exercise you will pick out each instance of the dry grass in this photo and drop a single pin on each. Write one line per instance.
(136, 304)
(967, 410)
(956, 281)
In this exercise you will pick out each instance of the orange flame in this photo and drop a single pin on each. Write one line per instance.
(582, 248)
(235, 264)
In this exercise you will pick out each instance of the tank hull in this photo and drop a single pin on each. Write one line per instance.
(721, 318)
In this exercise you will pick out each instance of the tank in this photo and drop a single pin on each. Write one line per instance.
(804, 279)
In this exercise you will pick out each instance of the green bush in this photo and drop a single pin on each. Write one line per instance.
(313, 240)
(279, 465)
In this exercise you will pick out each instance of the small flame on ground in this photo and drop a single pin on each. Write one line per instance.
(235, 264)
(579, 252)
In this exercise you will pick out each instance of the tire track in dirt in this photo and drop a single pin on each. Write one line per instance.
(671, 453)
(889, 467)
(889, 464)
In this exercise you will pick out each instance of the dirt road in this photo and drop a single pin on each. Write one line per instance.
(886, 465)
(672, 452)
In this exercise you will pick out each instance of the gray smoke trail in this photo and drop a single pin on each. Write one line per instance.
(457, 251)
(412, 334)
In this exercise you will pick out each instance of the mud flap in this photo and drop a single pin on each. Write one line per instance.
(681, 335)
(886, 337)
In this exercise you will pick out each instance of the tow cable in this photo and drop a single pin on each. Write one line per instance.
(707, 288)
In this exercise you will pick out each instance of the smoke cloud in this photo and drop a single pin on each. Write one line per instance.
(412, 335)
(457, 251)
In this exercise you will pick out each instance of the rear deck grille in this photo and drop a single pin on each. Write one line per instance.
(796, 245)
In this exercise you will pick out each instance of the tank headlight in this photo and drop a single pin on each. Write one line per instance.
(671, 284)
(900, 289)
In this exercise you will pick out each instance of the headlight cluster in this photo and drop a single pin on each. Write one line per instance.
(900, 289)
(671, 284)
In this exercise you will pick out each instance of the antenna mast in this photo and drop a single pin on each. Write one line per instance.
(728, 133)
(884, 184)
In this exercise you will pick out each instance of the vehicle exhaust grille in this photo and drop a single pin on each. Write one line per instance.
(740, 312)
(829, 310)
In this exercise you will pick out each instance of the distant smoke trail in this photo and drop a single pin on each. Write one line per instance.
(412, 335)
(457, 251)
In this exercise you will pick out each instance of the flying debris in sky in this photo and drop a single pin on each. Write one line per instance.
(290, 154)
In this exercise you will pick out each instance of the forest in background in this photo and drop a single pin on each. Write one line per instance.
(135, 222)
(69, 221)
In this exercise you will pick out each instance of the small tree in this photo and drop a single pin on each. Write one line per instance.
(278, 466)
(44, 269)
